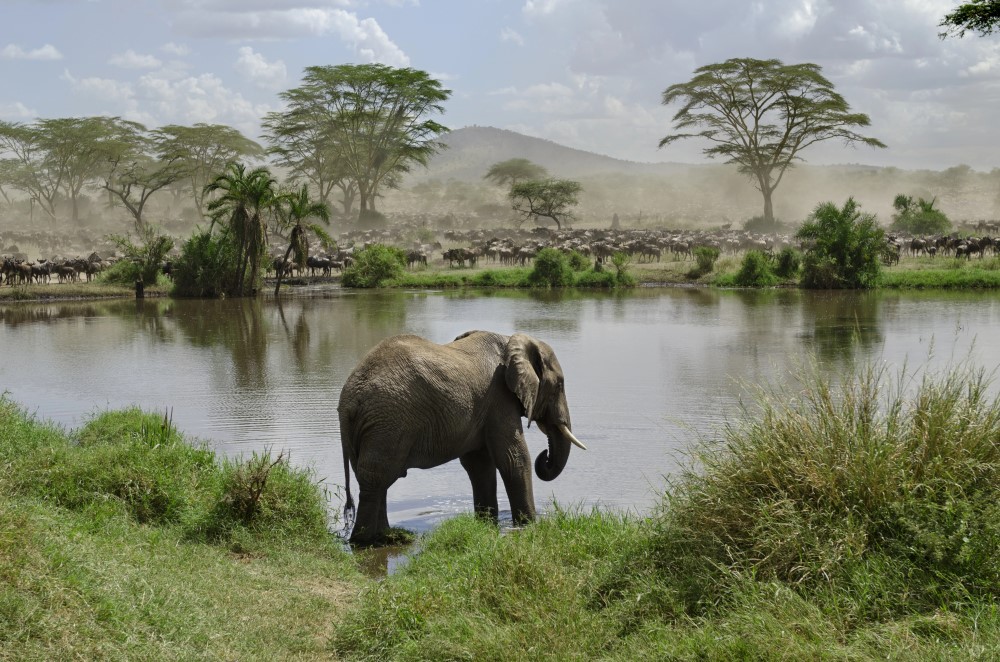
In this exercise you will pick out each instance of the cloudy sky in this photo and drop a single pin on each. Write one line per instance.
(584, 73)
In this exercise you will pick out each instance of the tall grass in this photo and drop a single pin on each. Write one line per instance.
(879, 500)
(117, 542)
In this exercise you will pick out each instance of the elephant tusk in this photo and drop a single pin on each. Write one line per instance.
(576, 442)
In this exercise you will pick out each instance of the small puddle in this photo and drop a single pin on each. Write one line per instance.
(382, 562)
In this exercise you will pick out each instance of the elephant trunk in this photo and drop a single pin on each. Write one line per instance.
(550, 463)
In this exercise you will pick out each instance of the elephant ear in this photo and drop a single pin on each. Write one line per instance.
(523, 365)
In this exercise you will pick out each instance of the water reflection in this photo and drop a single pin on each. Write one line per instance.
(646, 371)
(842, 323)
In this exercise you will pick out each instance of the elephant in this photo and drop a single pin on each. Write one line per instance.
(412, 403)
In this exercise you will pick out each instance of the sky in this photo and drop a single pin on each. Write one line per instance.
(587, 74)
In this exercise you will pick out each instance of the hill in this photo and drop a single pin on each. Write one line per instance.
(677, 193)
(473, 149)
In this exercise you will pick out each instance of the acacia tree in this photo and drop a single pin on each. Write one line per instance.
(547, 198)
(137, 165)
(303, 140)
(367, 121)
(512, 171)
(980, 16)
(759, 114)
(202, 152)
(26, 166)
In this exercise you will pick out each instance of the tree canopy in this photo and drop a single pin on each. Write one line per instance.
(359, 123)
(760, 114)
(512, 171)
(979, 16)
(547, 198)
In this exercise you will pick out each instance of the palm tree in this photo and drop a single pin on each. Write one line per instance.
(296, 207)
(248, 199)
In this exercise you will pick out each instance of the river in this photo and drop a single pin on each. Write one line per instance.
(649, 373)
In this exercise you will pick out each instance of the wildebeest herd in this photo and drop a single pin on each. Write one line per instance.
(513, 247)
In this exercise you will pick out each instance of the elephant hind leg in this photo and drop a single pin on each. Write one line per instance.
(372, 521)
(483, 475)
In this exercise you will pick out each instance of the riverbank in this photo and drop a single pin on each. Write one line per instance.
(858, 522)
(912, 273)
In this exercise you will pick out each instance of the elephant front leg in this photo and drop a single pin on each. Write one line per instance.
(483, 475)
(515, 470)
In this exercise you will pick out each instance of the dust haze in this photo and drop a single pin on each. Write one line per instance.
(451, 193)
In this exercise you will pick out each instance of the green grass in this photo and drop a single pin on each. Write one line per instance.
(857, 522)
(81, 290)
(513, 277)
(120, 541)
(943, 273)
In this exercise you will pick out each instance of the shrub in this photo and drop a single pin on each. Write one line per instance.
(917, 217)
(578, 261)
(875, 496)
(760, 225)
(266, 494)
(705, 257)
(789, 263)
(141, 260)
(846, 248)
(207, 266)
(373, 265)
(551, 269)
(757, 270)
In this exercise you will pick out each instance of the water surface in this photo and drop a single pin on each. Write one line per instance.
(648, 372)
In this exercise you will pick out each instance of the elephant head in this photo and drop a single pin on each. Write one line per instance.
(534, 375)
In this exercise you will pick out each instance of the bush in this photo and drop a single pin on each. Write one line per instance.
(207, 266)
(373, 265)
(789, 263)
(141, 260)
(578, 261)
(551, 269)
(705, 257)
(846, 248)
(880, 502)
(760, 225)
(918, 217)
(757, 270)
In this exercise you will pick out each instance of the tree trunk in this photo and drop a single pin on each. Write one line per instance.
(768, 207)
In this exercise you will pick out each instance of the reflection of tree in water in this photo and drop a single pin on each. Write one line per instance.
(235, 324)
(145, 313)
(296, 327)
(843, 323)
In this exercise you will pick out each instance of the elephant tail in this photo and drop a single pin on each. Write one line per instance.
(348, 499)
(346, 442)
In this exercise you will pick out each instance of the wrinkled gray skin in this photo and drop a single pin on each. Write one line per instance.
(411, 403)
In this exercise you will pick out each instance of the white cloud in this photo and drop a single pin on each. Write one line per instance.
(366, 36)
(508, 34)
(254, 66)
(132, 60)
(46, 52)
(16, 111)
(178, 50)
(543, 7)
(156, 98)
